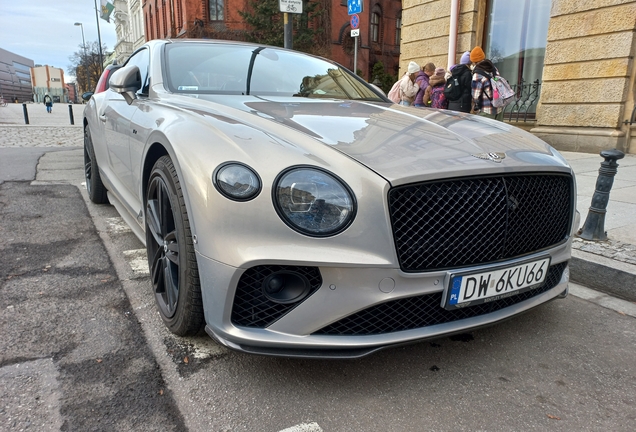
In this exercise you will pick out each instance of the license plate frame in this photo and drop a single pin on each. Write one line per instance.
(460, 283)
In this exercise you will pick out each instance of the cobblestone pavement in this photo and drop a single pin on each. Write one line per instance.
(612, 249)
(41, 136)
(44, 129)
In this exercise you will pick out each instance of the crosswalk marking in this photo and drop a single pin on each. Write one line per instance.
(304, 427)
(138, 261)
(117, 225)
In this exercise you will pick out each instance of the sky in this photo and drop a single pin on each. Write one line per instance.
(45, 32)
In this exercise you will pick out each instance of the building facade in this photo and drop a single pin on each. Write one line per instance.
(379, 40)
(379, 37)
(48, 79)
(129, 27)
(15, 77)
(71, 91)
(571, 61)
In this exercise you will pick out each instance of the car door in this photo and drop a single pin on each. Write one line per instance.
(116, 116)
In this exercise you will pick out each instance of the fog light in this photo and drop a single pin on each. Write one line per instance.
(286, 287)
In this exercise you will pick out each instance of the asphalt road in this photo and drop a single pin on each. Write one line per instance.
(84, 349)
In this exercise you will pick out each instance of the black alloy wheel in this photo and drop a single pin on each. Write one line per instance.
(171, 256)
(94, 186)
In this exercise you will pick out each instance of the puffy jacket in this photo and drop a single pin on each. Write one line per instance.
(464, 76)
(422, 80)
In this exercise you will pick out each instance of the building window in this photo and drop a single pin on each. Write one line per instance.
(517, 36)
(216, 10)
(375, 27)
(398, 29)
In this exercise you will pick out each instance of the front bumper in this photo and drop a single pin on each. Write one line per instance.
(344, 292)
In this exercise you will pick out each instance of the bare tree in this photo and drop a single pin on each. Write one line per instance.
(86, 66)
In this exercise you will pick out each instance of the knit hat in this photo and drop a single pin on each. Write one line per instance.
(477, 55)
(440, 71)
(413, 67)
(465, 58)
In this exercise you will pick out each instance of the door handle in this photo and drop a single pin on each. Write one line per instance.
(102, 117)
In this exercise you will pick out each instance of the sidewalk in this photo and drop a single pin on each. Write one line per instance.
(13, 114)
(608, 266)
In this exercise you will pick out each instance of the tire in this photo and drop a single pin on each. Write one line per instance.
(94, 186)
(171, 257)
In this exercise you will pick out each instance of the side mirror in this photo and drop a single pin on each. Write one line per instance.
(87, 96)
(378, 89)
(126, 81)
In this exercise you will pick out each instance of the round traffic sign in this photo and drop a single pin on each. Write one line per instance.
(354, 21)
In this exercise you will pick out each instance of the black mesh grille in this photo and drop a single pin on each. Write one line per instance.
(422, 311)
(458, 223)
(252, 309)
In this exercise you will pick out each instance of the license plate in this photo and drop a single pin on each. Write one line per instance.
(471, 289)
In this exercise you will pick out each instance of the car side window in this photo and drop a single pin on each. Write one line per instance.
(141, 59)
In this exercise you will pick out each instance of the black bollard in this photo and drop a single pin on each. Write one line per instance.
(70, 113)
(26, 114)
(594, 226)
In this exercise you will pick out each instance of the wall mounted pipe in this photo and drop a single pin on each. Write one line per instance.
(452, 35)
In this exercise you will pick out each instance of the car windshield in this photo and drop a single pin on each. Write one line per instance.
(241, 70)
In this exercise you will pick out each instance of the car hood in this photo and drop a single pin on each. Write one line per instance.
(404, 144)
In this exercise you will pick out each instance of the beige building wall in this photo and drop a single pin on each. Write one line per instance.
(588, 77)
(588, 86)
(48, 79)
(426, 26)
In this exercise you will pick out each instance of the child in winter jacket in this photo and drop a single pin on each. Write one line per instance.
(434, 94)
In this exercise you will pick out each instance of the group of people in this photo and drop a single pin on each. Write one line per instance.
(424, 87)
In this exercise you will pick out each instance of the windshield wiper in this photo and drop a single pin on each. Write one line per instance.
(251, 67)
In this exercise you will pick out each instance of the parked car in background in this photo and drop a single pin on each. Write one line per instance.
(292, 209)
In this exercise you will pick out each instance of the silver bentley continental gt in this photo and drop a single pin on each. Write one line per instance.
(293, 210)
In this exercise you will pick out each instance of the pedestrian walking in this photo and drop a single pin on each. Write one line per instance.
(408, 87)
(48, 101)
(459, 85)
(422, 81)
(434, 93)
(481, 88)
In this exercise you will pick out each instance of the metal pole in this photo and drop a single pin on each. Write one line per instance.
(99, 40)
(88, 83)
(355, 55)
(594, 227)
(70, 114)
(26, 113)
(289, 43)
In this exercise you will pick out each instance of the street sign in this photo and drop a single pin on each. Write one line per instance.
(291, 6)
(354, 6)
(355, 33)
(354, 21)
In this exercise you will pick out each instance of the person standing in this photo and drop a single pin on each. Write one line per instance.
(464, 77)
(408, 87)
(434, 93)
(482, 91)
(48, 101)
(422, 81)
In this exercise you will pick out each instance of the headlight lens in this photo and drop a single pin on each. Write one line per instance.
(236, 181)
(313, 201)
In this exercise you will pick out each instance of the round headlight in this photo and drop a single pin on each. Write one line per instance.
(313, 201)
(236, 181)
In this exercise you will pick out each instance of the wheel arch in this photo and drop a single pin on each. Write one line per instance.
(160, 147)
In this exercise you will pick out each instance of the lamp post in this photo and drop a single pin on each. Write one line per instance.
(99, 39)
(88, 84)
